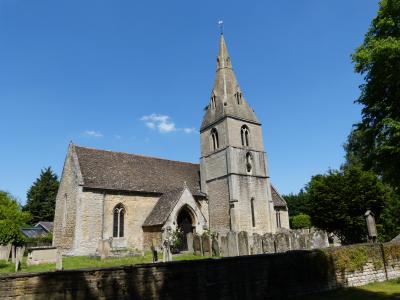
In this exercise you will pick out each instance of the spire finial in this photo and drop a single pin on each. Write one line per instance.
(221, 26)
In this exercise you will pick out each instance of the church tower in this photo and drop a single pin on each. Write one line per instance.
(233, 162)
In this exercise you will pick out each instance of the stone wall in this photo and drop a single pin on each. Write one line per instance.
(267, 276)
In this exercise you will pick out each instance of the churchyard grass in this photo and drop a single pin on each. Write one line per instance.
(83, 262)
(373, 291)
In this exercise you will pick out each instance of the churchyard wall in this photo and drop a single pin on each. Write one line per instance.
(265, 276)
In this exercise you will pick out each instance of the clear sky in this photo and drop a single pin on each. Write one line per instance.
(94, 72)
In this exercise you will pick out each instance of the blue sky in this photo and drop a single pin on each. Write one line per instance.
(98, 72)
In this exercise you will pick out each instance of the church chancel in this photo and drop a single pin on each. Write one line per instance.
(132, 200)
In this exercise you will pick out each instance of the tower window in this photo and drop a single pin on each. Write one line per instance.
(253, 219)
(249, 166)
(118, 226)
(245, 135)
(214, 138)
(213, 101)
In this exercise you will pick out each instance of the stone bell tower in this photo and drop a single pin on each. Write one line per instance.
(233, 162)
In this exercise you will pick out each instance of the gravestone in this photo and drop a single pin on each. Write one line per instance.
(104, 248)
(282, 243)
(232, 244)
(189, 239)
(257, 244)
(59, 260)
(205, 239)
(268, 243)
(167, 255)
(215, 247)
(13, 253)
(19, 253)
(5, 252)
(243, 243)
(196, 244)
(224, 246)
(319, 239)
(154, 254)
(371, 226)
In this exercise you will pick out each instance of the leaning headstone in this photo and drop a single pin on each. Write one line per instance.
(243, 243)
(257, 244)
(196, 244)
(371, 226)
(189, 239)
(215, 247)
(232, 244)
(5, 252)
(282, 243)
(59, 261)
(205, 240)
(268, 243)
(224, 246)
(13, 253)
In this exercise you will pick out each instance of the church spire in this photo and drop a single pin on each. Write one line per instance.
(226, 97)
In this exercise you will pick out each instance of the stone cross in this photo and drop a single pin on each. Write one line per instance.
(370, 219)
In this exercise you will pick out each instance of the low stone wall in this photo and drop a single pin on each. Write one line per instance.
(265, 276)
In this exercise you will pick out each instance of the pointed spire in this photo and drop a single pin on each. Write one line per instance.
(223, 60)
(226, 97)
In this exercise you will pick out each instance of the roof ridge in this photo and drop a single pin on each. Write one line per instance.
(140, 155)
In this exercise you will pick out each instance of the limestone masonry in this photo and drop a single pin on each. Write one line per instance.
(131, 200)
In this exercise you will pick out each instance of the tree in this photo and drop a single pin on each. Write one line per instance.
(337, 201)
(296, 203)
(41, 197)
(11, 218)
(300, 221)
(375, 141)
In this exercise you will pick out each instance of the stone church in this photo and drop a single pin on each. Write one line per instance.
(132, 199)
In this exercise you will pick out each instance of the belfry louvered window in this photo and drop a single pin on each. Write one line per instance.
(118, 224)
(214, 139)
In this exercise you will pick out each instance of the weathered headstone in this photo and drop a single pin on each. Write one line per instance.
(371, 226)
(59, 260)
(19, 253)
(5, 252)
(243, 243)
(319, 239)
(268, 243)
(167, 255)
(196, 244)
(232, 244)
(205, 240)
(104, 248)
(13, 253)
(154, 254)
(282, 243)
(224, 246)
(257, 244)
(215, 247)
(189, 239)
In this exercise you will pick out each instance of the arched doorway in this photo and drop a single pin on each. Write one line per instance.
(185, 221)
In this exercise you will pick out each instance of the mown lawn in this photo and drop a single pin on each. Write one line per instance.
(82, 262)
(374, 291)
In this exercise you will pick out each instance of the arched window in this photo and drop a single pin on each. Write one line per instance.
(245, 134)
(213, 101)
(214, 137)
(249, 159)
(278, 219)
(118, 227)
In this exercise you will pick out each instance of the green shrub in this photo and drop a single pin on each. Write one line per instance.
(300, 221)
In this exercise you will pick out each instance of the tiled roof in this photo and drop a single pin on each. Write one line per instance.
(34, 232)
(110, 170)
(277, 198)
(163, 208)
(48, 226)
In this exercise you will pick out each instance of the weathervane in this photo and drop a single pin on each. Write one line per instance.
(221, 26)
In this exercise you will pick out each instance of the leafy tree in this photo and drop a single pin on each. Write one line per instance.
(337, 202)
(11, 218)
(375, 141)
(300, 221)
(296, 203)
(41, 197)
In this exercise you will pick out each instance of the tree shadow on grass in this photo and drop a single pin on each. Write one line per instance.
(350, 294)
